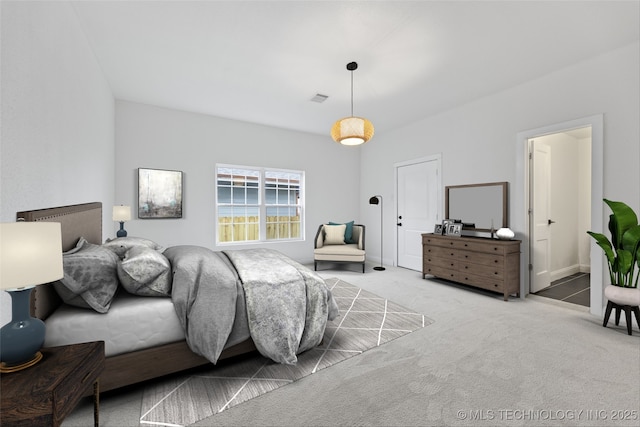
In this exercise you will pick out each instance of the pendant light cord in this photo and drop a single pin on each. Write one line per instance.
(351, 93)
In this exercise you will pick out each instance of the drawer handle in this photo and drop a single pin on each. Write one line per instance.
(465, 245)
(86, 377)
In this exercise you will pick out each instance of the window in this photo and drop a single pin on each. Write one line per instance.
(258, 204)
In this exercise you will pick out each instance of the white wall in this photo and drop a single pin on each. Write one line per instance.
(159, 138)
(478, 140)
(57, 137)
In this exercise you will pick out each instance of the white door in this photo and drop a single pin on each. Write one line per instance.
(541, 216)
(418, 189)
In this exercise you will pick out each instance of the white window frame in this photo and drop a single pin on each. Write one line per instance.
(262, 205)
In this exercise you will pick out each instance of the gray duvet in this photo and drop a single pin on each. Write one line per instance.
(223, 298)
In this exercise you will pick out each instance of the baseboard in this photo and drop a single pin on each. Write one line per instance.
(564, 272)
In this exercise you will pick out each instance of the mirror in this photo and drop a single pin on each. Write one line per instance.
(480, 207)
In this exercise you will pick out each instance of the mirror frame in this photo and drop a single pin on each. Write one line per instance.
(505, 203)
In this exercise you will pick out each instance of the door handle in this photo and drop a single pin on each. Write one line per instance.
(399, 224)
(551, 222)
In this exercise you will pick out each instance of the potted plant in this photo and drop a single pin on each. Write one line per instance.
(623, 260)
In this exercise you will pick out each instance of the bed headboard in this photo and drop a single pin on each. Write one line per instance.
(83, 220)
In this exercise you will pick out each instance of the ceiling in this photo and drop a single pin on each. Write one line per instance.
(263, 61)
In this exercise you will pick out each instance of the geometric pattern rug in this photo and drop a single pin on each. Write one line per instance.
(365, 321)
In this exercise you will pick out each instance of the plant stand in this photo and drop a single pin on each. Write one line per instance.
(627, 311)
(622, 299)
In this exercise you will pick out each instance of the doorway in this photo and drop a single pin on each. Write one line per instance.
(560, 196)
(418, 207)
(589, 259)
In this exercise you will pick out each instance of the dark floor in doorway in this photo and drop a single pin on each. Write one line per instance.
(573, 289)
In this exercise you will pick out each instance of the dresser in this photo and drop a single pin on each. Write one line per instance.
(484, 263)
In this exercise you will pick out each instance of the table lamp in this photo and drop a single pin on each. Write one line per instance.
(121, 214)
(30, 255)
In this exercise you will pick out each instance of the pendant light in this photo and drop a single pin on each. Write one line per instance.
(352, 130)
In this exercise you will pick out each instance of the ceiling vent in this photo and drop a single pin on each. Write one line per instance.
(319, 98)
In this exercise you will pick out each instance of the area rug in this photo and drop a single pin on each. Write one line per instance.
(366, 321)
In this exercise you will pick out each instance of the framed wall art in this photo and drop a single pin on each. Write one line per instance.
(159, 193)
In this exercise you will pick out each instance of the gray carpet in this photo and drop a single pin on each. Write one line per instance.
(483, 362)
(365, 321)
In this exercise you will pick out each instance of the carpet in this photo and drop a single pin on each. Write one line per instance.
(365, 321)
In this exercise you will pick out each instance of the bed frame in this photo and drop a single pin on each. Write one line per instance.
(85, 220)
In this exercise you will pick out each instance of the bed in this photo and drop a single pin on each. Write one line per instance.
(82, 224)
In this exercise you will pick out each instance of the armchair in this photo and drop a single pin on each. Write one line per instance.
(330, 245)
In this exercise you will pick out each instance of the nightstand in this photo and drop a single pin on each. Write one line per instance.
(46, 393)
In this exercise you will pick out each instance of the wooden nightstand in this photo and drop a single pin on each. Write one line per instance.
(46, 393)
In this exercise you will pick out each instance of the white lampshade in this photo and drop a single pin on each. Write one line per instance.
(121, 213)
(30, 254)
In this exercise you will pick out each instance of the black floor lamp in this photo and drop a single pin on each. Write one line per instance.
(374, 201)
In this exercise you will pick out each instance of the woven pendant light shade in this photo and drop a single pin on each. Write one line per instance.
(352, 131)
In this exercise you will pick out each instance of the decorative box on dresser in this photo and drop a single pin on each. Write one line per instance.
(485, 263)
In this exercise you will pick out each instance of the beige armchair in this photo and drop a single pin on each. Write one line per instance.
(330, 245)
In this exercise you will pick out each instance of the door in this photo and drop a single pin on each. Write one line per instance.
(418, 189)
(541, 211)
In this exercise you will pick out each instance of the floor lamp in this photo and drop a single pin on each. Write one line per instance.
(374, 201)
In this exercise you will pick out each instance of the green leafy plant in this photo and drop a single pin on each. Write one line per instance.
(623, 251)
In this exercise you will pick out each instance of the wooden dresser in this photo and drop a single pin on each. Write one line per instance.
(481, 262)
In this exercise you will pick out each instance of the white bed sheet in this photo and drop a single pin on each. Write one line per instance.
(132, 323)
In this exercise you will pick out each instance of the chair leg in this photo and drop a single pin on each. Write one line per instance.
(617, 314)
(363, 271)
(607, 313)
(315, 265)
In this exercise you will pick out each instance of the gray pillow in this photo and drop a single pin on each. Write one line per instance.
(121, 245)
(90, 277)
(145, 272)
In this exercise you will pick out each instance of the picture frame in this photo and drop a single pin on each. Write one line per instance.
(454, 229)
(438, 229)
(159, 193)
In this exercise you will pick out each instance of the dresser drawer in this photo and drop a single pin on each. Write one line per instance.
(481, 282)
(450, 263)
(441, 272)
(485, 247)
(494, 260)
(440, 252)
(485, 270)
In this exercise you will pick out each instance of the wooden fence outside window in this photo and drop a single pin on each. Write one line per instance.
(242, 229)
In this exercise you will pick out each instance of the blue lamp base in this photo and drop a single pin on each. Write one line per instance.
(23, 337)
(122, 232)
